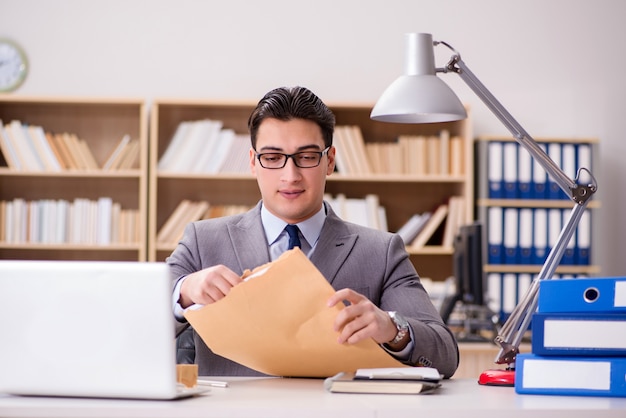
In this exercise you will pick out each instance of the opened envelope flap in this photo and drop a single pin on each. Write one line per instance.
(277, 322)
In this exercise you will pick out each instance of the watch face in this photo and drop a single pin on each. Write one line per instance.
(13, 65)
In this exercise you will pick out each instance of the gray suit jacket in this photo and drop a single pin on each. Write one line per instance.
(371, 262)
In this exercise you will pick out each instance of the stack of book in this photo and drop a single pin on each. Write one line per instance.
(578, 339)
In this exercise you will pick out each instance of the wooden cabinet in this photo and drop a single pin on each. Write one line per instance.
(101, 124)
(401, 195)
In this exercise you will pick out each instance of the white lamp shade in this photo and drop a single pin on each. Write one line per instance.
(419, 96)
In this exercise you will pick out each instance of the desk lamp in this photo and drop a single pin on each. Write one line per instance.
(419, 96)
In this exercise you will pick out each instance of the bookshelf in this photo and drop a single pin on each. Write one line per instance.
(523, 212)
(100, 124)
(402, 195)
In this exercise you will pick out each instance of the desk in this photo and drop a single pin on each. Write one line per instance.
(302, 398)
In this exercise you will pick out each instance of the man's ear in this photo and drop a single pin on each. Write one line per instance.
(331, 160)
(252, 156)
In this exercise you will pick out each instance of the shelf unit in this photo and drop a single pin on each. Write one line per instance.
(101, 123)
(401, 195)
(511, 279)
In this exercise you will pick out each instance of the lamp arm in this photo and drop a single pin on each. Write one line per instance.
(511, 334)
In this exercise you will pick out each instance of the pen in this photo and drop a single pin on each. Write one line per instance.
(213, 383)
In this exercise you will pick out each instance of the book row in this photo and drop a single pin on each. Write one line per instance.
(526, 235)
(205, 146)
(30, 148)
(512, 173)
(189, 211)
(81, 221)
(409, 154)
(578, 344)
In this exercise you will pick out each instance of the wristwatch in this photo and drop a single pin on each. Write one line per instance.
(402, 325)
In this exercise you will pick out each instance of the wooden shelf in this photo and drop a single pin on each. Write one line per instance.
(401, 195)
(101, 123)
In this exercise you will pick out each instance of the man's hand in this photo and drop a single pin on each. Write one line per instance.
(207, 286)
(361, 319)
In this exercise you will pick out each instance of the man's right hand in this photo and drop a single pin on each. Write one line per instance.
(207, 286)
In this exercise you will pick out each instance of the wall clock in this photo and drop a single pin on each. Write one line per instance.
(13, 65)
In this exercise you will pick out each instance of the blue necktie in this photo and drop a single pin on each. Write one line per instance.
(294, 240)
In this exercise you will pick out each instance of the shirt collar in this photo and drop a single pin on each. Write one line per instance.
(310, 229)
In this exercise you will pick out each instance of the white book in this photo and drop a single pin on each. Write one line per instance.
(356, 211)
(8, 150)
(117, 151)
(45, 152)
(24, 147)
(166, 162)
(200, 151)
(222, 151)
(104, 207)
(372, 203)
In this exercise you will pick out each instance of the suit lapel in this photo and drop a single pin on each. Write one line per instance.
(249, 241)
(333, 246)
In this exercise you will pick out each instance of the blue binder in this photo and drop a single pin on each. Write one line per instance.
(540, 178)
(494, 170)
(495, 244)
(576, 376)
(606, 294)
(509, 170)
(579, 334)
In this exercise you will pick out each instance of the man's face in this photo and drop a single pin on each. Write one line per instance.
(291, 193)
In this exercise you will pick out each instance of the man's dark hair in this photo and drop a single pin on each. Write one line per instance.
(287, 103)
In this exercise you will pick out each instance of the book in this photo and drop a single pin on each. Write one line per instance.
(347, 382)
(434, 222)
(579, 334)
(598, 294)
(570, 376)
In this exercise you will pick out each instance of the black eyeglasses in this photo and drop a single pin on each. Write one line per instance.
(304, 159)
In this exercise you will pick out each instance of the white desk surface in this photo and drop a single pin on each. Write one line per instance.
(301, 398)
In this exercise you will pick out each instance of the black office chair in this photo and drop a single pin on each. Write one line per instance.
(185, 347)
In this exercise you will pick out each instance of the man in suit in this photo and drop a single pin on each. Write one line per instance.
(291, 133)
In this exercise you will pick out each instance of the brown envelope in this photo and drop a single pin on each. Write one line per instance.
(277, 322)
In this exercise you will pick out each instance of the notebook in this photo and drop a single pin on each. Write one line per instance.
(100, 329)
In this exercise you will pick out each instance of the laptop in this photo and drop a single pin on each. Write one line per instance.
(101, 329)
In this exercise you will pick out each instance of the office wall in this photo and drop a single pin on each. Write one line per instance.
(556, 65)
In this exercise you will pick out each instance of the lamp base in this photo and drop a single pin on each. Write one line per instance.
(497, 377)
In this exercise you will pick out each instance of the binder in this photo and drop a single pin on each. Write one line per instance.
(494, 172)
(494, 235)
(584, 160)
(568, 154)
(511, 240)
(494, 293)
(579, 334)
(555, 224)
(554, 190)
(570, 248)
(525, 236)
(607, 294)
(509, 170)
(524, 171)
(574, 376)
(509, 293)
(540, 178)
(583, 240)
(540, 235)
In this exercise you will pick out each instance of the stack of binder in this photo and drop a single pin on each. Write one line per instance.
(578, 340)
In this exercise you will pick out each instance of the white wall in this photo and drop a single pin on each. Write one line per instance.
(556, 65)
